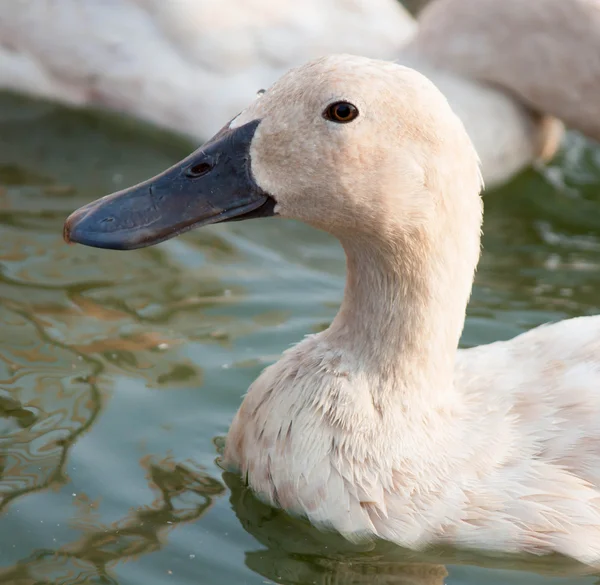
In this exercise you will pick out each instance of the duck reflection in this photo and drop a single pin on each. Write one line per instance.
(318, 571)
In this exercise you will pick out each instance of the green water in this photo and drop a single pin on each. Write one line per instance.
(120, 372)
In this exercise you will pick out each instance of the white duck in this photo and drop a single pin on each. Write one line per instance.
(379, 426)
(504, 66)
(182, 64)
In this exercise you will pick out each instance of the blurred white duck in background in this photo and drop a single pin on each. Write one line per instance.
(183, 64)
(379, 426)
(510, 68)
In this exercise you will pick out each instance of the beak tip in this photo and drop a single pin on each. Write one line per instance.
(70, 235)
(67, 231)
(81, 227)
(67, 234)
(75, 230)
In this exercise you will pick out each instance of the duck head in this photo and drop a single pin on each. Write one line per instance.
(346, 144)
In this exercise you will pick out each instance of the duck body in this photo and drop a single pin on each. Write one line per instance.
(509, 462)
(380, 427)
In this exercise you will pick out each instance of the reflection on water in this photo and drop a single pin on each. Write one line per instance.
(117, 370)
(183, 495)
(48, 398)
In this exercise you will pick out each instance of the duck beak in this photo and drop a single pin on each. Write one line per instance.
(212, 185)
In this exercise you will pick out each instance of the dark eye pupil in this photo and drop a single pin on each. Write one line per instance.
(341, 112)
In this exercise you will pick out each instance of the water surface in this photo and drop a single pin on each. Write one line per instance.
(120, 372)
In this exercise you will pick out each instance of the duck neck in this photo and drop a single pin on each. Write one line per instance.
(404, 307)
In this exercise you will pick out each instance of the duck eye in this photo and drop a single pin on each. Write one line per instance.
(341, 112)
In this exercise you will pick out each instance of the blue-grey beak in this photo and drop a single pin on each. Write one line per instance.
(212, 185)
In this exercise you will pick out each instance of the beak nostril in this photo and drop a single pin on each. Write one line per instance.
(108, 219)
(199, 169)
